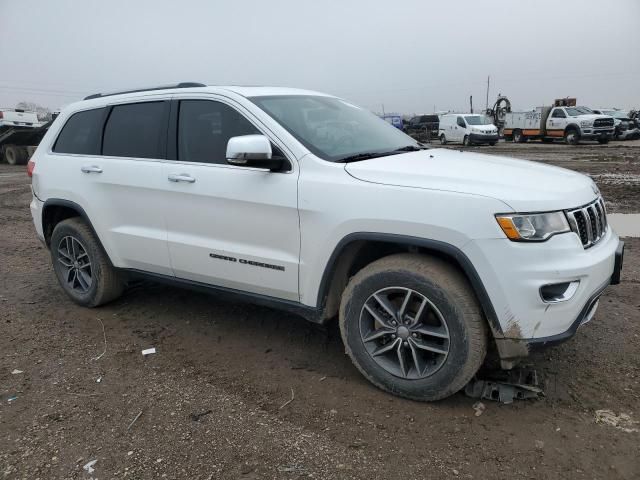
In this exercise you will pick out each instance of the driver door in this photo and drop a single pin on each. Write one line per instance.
(229, 226)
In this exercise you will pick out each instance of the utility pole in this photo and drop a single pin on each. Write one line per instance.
(487, 105)
(383, 110)
(471, 103)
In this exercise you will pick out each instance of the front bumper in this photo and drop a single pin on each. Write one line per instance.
(513, 273)
(595, 133)
(483, 138)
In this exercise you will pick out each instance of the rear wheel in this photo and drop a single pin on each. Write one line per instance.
(15, 155)
(518, 137)
(443, 139)
(572, 136)
(81, 266)
(412, 326)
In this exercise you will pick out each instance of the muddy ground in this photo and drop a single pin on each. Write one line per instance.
(215, 398)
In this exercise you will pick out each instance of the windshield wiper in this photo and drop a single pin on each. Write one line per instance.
(368, 155)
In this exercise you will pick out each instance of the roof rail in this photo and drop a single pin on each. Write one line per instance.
(163, 87)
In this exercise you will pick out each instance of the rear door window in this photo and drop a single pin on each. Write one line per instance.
(557, 113)
(136, 130)
(204, 129)
(81, 133)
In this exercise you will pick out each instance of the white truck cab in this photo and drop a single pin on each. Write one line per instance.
(306, 202)
(467, 128)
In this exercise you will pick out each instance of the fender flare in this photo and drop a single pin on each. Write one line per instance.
(405, 240)
(58, 202)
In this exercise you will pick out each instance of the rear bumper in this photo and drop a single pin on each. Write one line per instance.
(481, 138)
(36, 212)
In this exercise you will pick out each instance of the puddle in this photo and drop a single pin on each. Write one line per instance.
(625, 224)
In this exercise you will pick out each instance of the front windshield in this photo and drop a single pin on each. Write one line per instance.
(477, 120)
(576, 112)
(331, 128)
(615, 113)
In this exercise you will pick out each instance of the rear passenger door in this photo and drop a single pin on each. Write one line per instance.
(111, 159)
(230, 226)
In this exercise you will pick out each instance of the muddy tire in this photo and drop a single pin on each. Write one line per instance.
(413, 327)
(465, 141)
(81, 265)
(603, 141)
(443, 139)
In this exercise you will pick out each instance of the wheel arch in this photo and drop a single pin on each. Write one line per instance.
(56, 210)
(357, 250)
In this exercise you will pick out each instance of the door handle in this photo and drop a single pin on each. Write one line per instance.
(182, 177)
(91, 169)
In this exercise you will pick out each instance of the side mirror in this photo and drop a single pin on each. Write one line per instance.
(252, 151)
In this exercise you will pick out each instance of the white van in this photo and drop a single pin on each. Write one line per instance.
(467, 128)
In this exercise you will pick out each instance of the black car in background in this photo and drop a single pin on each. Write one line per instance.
(426, 125)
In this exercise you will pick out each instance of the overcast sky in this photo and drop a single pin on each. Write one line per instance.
(410, 55)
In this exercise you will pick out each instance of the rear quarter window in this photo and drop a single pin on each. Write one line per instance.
(81, 133)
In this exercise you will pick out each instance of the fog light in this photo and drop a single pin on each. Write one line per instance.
(558, 292)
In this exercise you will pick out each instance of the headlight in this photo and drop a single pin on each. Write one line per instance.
(586, 123)
(532, 227)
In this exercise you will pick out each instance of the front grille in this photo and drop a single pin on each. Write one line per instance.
(603, 122)
(589, 222)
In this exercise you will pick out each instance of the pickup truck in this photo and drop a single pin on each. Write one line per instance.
(16, 126)
(549, 123)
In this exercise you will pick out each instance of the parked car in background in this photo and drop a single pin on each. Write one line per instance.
(423, 125)
(16, 127)
(624, 127)
(467, 128)
(394, 119)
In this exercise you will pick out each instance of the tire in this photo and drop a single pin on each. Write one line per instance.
(603, 141)
(465, 141)
(443, 139)
(518, 137)
(493, 144)
(73, 238)
(572, 136)
(13, 155)
(452, 309)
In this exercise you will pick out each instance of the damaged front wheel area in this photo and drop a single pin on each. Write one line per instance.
(413, 327)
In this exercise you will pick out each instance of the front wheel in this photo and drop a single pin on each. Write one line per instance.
(81, 265)
(413, 327)
(603, 141)
(465, 141)
(572, 136)
(443, 139)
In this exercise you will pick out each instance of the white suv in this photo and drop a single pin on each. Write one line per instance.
(306, 202)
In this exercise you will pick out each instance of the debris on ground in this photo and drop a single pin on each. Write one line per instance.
(16, 372)
(134, 420)
(149, 351)
(505, 387)
(622, 422)
(12, 398)
(288, 401)
(197, 416)
(104, 335)
(98, 380)
(479, 408)
(89, 466)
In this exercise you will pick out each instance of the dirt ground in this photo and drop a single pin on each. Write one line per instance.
(239, 391)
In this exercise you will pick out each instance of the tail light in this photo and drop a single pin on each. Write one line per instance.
(30, 166)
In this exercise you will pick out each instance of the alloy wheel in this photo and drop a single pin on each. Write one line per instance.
(404, 333)
(73, 257)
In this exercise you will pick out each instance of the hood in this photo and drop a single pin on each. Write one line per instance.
(483, 128)
(591, 116)
(523, 185)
